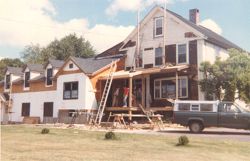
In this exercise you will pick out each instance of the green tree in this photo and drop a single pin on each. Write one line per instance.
(61, 49)
(231, 76)
(9, 62)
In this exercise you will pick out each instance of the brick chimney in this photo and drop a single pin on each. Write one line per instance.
(194, 15)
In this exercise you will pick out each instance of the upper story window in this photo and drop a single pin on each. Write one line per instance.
(70, 90)
(26, 79)
(182, 56)
(158, 26)
(71, 65)
(158, 56)
(49, 76)
(7, 81)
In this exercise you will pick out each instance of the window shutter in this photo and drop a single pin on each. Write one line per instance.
(171, 54)
(193, 52)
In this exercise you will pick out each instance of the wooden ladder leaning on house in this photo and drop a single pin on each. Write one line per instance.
(105, 94)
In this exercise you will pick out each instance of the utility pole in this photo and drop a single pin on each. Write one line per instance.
(164, 34)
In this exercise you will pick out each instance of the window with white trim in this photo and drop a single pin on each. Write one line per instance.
(182, 92)
(7, 81)
(26, 79)
(166, 88)
(70, 90)
(49, 75)
(158, 56)
(182, 54)
(158, 27)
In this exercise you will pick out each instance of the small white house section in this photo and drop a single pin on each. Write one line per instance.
(70, 66)
(36, 100)
(86, 96)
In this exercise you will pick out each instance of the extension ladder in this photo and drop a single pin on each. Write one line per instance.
(105, 94)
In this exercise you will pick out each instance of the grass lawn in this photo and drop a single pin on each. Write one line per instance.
(25, 143)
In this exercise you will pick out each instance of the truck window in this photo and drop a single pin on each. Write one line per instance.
(195, 107)
(206, 107)
(229, 108)
(184, 106)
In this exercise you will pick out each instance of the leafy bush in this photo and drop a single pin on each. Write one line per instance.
(110, 136)
(183, 140)
(45, 131)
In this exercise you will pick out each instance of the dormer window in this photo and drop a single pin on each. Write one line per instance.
(7, 81)
(49, 76)
(71, 65)
(26, 79)
(158, 26)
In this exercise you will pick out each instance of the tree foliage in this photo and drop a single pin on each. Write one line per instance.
(61, 49)
(224, 79)
(9, 62)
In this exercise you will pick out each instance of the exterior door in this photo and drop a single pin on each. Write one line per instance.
(48, 109)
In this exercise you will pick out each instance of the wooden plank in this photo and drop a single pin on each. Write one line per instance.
(155, 109)
(122, 108)
(130, 91)
(143, 92)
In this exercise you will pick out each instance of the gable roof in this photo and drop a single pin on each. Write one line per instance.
(92, 65)
(55, 63)
(14, 70)
(34, 67)
(211, 36)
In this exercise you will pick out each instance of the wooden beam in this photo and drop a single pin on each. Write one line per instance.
(130, 91)
(130, 97)
(176, 85)
(143, 92)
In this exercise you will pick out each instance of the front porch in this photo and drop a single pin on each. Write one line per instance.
(142, 90)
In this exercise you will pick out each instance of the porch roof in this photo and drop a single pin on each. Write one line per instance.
(127, 74)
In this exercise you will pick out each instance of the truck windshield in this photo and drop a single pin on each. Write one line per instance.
(242, 109)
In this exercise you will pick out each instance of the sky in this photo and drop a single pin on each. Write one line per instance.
(107, 22)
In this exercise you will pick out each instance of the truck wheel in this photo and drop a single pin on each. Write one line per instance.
(196, 127)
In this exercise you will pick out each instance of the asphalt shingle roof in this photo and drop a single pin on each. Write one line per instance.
(15, 70)
(35, 67)
(56, 63)
(91, 65)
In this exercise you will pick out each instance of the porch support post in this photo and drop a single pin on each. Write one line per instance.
(130, 91)
(143, 92)
(130, 98)
(176, 85)
(148, 96)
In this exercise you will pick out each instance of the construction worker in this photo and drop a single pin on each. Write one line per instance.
(125, 96)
